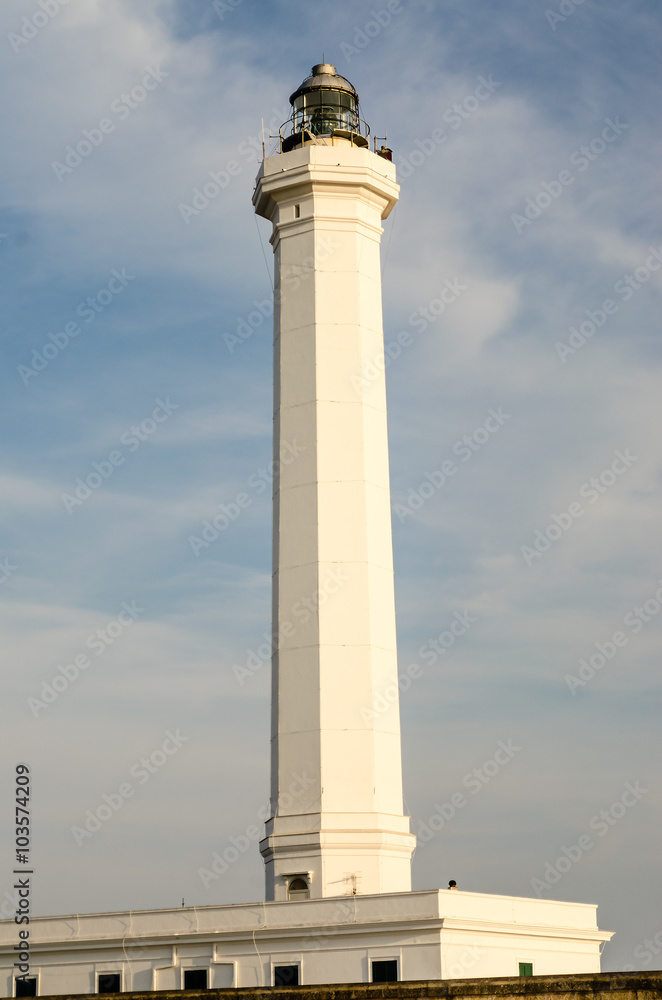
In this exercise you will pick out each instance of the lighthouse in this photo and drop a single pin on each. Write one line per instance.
(337, 847)
(337, 825)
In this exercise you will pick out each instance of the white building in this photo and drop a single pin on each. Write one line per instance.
(337, 848)
(421, 935)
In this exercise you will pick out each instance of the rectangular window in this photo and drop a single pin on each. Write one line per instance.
(297, 211)
(26, 987)
(195, 979)
(526, 968)
(385, 971)
(109, 982)
(286, 975)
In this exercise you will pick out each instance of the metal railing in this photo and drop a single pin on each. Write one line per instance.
(324, 120)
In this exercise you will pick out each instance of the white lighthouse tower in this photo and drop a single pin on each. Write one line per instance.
(337, 849)
(337, 824)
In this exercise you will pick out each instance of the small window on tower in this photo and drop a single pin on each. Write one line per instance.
(526, 968)
(298, 889)
(297, 211)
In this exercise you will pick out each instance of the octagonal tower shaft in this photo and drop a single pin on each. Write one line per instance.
(336, 782)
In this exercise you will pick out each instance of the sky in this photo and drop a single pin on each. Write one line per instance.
(137, 394)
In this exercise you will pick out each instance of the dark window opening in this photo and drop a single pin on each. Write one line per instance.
(109, 982)
(385, 972)
(297, 211)
(526, 968)
(298, 889)
(195, 979)
(26, 987)
(286, 975)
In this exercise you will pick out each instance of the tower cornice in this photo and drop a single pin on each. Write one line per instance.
(339, 169)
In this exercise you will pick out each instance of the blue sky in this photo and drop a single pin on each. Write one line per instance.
(158, 342)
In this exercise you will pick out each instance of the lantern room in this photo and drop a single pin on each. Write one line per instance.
(326, 105)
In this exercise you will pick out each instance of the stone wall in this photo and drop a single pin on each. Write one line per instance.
(593, 986)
